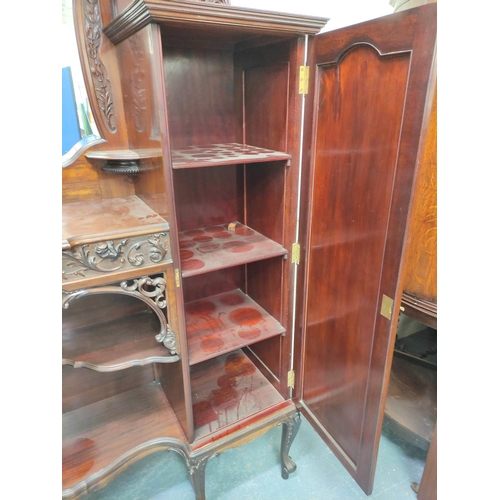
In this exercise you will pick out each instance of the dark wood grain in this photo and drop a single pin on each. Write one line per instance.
(100, 220)
(116, 344)
(266, 88)
(223, 245)
(226, 390)
(222, 323)
(279, 188)
(208, 196)
(199, 86)
(188, 74)
(349, 218)
(93, 310)
(224, 154)
(82, 387)
(96, 435)
(199, 16)
(363, 160)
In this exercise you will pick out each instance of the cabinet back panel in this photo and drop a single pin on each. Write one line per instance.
(81, 387)
(265, 199)
(92, 310)
(266, 89)
(200, 96)
(208, 196)
(205, 285)
(355, 155)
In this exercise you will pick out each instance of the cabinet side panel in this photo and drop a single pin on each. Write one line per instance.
(420, 271)
(355, 156)
(266, 106)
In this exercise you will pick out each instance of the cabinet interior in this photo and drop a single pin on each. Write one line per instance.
(227, 121)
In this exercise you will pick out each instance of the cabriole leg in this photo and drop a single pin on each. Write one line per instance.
(290, 428)
(196, 468)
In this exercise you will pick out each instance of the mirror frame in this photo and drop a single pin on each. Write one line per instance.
(87, 23)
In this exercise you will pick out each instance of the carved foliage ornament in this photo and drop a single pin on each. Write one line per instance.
(93, 39)
(138, 83)
(110, 256)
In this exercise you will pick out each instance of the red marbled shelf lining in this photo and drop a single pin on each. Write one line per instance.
(225, 322)
(225, 245)
(223, 154)
(226, 390)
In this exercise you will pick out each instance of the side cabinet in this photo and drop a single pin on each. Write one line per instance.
(237, 263)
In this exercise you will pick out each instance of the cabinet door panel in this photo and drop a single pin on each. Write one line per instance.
(364, 125)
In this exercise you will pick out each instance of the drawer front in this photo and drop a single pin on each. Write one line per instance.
(113, 259)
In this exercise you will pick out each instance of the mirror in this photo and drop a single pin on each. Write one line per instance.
(79, 130)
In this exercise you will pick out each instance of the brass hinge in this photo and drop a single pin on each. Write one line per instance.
(291, 379)
(387, 306)
(304, 80)
(296, 253)
(177, 278)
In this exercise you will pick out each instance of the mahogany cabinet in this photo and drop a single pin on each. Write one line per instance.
(232, 249)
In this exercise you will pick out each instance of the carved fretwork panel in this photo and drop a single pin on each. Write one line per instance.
(150, 290)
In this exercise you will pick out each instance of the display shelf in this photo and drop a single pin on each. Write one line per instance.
(225, 322)
(103, 435)
(223, 154)
(98, 220)
(222, 246)
(411, 406)
(226, 390)
(116, 345)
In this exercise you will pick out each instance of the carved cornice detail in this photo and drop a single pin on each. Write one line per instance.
(149, 290)
(93, 40)
(113, 255)
(140, 13)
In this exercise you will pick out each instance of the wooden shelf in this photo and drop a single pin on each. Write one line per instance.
(411, 407)
(222, 246)
(101, 220)
(232, 153)
(226, 390)
(119, 344)
(97, 436)
(225, 322)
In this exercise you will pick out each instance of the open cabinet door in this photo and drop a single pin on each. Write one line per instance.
(367, 110)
